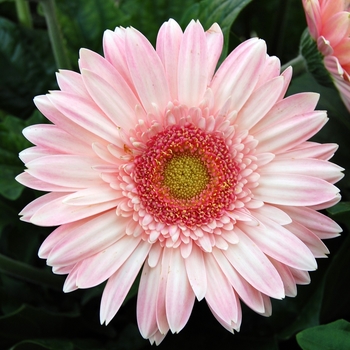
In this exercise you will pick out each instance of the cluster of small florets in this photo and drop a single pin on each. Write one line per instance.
(174, 161)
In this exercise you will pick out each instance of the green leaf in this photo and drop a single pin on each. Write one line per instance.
(314, 59)
(223, 12)
(340, 208)
(83, 23)
(334, 336)
(26, 67)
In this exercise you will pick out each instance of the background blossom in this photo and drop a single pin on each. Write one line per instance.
(329, 25)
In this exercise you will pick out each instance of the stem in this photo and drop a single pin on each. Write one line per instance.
(55, 34)
(28, 273)
(298, 64)
(23, 13)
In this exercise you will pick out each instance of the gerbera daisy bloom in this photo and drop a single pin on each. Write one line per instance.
(204, 182)
(329, 25)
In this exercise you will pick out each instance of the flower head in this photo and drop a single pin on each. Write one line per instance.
(329, 25)
(205, 182)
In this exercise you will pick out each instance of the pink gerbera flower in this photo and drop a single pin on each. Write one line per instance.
(329, 25)
(204, 181)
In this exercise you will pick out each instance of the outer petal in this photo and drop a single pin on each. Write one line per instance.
(236, 78)
(87, 240)
(254, 266)
(196, 272)
(120, 283)
(146, 68)
(193, 66)
(147, 300)
(294, 190)
(99, 267)
(168, 46)
(220, 295)
(215, 42)
(179, 295)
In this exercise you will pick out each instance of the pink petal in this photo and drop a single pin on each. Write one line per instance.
(56, 236)
(310, 150)
(253, 265)
(71, 82)
(220, 295)
(93, 195)
(84, 113)
(161, 316)
(29, 210)
(146, 70)
(147, 300)
(65, 170)
(57, 212)
(279, 243)
(259, 103)
(336, 28)
(289, 107)
(179, 295)
(99, 267)
(168, 46)
(279, 136)
(63, 122)
(120, 283)
(215, 42)
(294, 190)
(32, 182)
(250, 295)
(312, 241)
(88, 239)
(120, 108)
(196, 272)
(237, 76)
(290, 287)
(310, 167)
(114, 51)
(193, 66)
(320, 224)
(53, 138)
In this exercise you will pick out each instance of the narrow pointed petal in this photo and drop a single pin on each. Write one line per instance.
(99, 267)
(223, 299)
(147, 300)
(146, 68)
(215, 42)
(168, 47)
(251, 296)
(254, 266)
(234, 79)
(196, 272)
(179, 295)
(294, 190)
(87, 240)
(120, 283)
(279, 243)
(53, 138)
(193, 66)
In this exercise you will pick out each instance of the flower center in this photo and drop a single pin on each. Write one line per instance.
(186, 176)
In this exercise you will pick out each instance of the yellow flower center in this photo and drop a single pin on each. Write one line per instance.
(186, 176)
